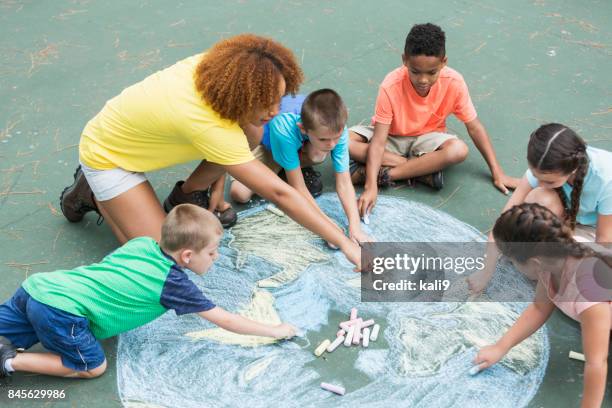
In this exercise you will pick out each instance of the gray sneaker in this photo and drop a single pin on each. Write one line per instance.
(7, 351)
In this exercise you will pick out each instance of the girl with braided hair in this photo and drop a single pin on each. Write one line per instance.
(569, 178)
(571, 276)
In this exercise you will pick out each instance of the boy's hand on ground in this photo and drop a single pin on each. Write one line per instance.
(478, 282)
(352, 251)
(284, 331)
(505, 183)
(489, 355)
(367, 201)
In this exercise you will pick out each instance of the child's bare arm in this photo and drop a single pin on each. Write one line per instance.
(346, 194)
(481, 139)
(595, 324)
(376, 149)
(241, 325)
(528, 323)
(603, 234)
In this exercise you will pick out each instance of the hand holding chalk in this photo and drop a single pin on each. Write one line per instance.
(284, 331)
(486, 357)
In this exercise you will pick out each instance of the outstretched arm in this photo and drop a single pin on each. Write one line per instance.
(241, 325)
(346, 194)
(376, 149)
(528, 323)
(481, 139)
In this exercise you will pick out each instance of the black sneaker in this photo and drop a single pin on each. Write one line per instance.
(228, 218)
(7, 350)
(313, 182)
(77, 199)
(433, 180)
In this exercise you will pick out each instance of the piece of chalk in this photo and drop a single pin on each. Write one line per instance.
(336, 389)
(366, 337)
(366, 219)
(367, 323)
(353, 314)
(275, 210)
(332, 246)
(357, 332)
(576, 356)
(322, 347)
(341, 332)
(375, 330)
(335, 344)
(346, 324)
(474, 370)
(349, 336)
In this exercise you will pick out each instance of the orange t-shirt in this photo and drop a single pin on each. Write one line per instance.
(410, 114)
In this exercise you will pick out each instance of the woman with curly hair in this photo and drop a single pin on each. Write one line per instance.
(209, 107)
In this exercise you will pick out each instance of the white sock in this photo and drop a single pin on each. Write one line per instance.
(8, 366)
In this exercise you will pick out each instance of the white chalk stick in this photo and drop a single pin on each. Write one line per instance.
(576, 356)
(375, 330)
(275, 210)
(366, 337)
(353, 314)
(367, 323)
(322, 347)
(366, 219)
(336, 389)
(349, 336)
(348, 323)
(341, 332)
(335, 344)
(474, 370)
(357, 332)
(332, 246)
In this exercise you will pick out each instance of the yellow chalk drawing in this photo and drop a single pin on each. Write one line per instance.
(261, 309)
(279, 240)
(256, 368)
(428, 342)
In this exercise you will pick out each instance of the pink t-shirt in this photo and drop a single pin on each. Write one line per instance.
(578, 290)
(410, 114)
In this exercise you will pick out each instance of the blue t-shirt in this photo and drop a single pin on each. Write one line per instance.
(286, 140)
(289, 104)
(596, 195)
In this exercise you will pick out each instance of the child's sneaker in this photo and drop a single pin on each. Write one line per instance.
(77, 199)
(313, 182)
(358, 174)
(228, 218)
(7, 351)
(433, 180)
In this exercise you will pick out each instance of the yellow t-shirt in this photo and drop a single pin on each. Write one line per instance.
(159, 122)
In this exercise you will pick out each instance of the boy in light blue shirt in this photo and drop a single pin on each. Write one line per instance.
(293, 141)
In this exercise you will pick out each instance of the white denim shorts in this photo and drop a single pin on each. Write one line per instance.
(108, 184)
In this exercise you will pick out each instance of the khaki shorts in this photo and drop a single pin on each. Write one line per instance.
(265, 157)
(407, 146)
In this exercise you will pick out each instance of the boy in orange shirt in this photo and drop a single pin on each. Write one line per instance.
(408, 139)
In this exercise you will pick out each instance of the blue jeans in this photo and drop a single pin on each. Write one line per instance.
(25, 322)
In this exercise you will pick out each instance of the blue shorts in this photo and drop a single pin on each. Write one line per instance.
(25, 322)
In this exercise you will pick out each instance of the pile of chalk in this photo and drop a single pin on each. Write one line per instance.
(354, 331)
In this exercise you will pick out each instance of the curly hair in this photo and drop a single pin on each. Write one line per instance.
(556, 148)
(242, 73)
(425, 39)
(530, 230)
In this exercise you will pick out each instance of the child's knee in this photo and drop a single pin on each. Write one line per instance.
(456, 150)
(240, 193)
(548, 198)
(96, 372)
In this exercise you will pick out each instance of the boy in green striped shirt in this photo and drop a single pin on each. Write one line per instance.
(68, 311)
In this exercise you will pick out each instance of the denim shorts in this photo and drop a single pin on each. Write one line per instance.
(25, 322)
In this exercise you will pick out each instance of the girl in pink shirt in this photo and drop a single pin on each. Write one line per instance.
(571, 276)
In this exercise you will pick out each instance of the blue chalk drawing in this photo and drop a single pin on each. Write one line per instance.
(421, 359)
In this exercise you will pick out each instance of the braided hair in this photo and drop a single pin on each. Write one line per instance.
(530, 230)
(557, 148)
